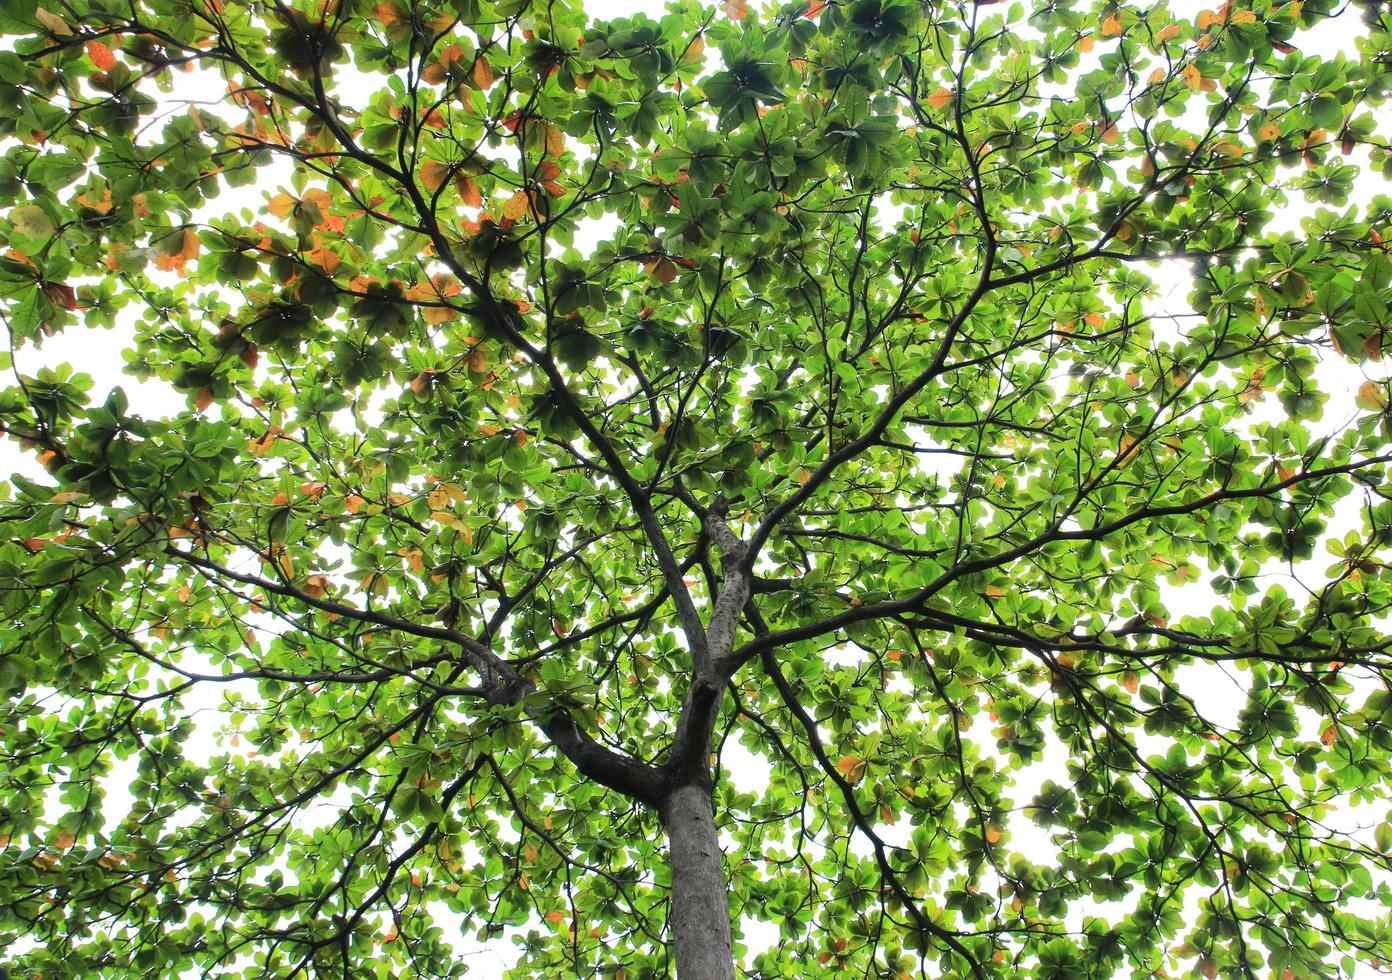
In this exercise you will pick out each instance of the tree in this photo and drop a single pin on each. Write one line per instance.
(626, 490)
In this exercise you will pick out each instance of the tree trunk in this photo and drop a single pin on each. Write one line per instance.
(700, 909)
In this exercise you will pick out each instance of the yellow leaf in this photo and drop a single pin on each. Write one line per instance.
(1167, 33)
(1095, 320)
(1130, 681)
(940, 98)
(1244, 17)
(1128, 448)
(55, 24)
(995, 592)
(1269, 132)
(1086, 44)
(1192, 76)
(694, 50)
(1371, 396)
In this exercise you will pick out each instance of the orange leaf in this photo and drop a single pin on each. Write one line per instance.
(516, 206)
(101, 55)
(483, 73)
(63, 840)
(1329, 736)
(852, 768)
(1111, 27)
(281, 205)
(736, 9)
(388, 13)
(940, 98)
(555, 141)
(1130, 681)
(993, 834)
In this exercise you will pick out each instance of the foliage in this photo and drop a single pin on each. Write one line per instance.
(581, 408)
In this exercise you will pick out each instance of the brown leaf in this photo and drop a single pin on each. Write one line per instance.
(433, 174)
(469, 192)
(61, 295)
(736, 9)
(664, 269)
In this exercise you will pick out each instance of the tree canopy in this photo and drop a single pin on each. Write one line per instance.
(855, 437)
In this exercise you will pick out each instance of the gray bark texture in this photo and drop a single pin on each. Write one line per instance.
(700, 918)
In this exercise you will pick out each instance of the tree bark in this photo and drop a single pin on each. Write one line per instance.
(700, 917)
